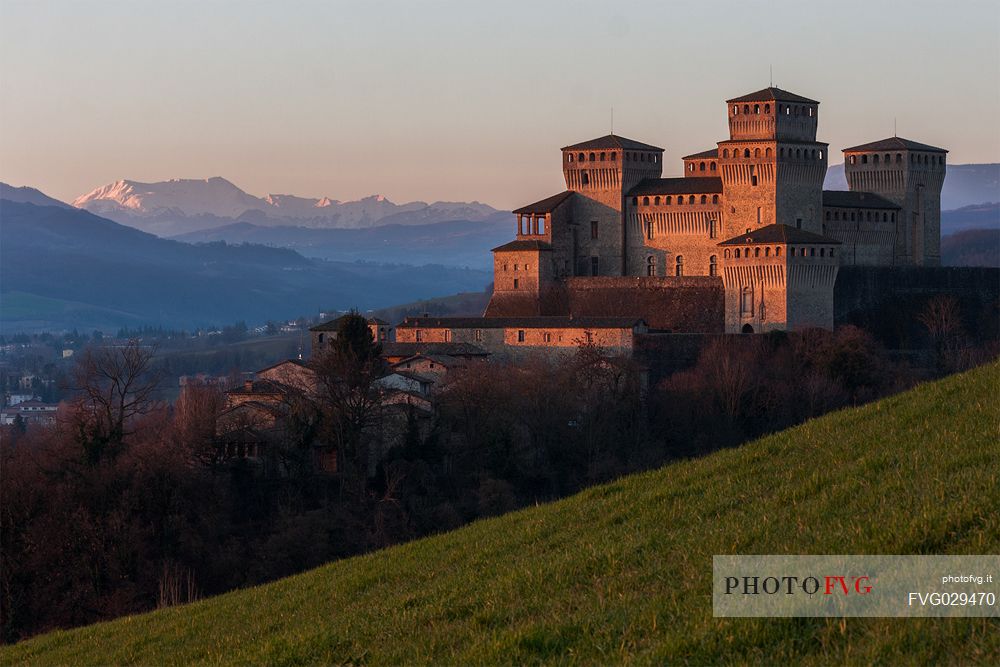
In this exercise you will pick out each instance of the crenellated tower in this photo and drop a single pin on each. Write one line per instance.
(910, 175)
(772, 167)
(601, 171)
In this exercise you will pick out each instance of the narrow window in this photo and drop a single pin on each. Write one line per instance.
(650, 266)
(515, 283)
(520, 335)
(614, 157)
(479, 335)
(777, 251)
(649, 230)
(656, 201)
(679, 270)
(737, 252)
(864, 159)
(595, 266)
(715, 199)
(704, 199)
(602, 157)
(711, 167)
(593, 227)
(746, 152)
(585, 178)
(798, 223)
(713, 265)
(767, 108)
(592, 158)
(756, 109)
(701, 166)
(668, 200)
(419, 335)
(691, 199)
(547, 337)
(645, 201)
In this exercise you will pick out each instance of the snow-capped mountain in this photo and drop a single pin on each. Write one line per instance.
(184, 205)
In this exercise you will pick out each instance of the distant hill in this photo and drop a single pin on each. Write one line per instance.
(964, 184)
(972, 247)
(455, 243)
(979, 216)
(26, 195)
(169, 208)
(66, 268)
(622, 573)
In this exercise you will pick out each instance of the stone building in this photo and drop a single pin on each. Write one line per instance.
(759, 192)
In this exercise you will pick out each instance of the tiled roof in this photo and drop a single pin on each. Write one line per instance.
(334, 324)
(539, 322)
(895, 144)
(523, 244)
(779, 234)
(712, 152)
(546, 205)
(854, 199)
(772, 93)
(677, 186)
(611, 141)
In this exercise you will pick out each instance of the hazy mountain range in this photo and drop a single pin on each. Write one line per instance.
(169, 208)
(62, 267)
(964, 184)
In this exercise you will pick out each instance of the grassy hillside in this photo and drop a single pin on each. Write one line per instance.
(622, 572)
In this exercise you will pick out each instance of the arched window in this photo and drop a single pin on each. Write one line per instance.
(767, 152)
(649, 230)
(792, 251)
(781, 152)
(635, 201)
(691, 199)
(715, 199)
(321, 336)
(668, 200)
(711, 167)
(614, 157)
(591, 158)
(899, 158)
(788, 111)
(679, 268)
(727, 253)
(821, 155)
(779, 108)
(822, 252)
(812, 252)
(814, 153)
(767, 108)
(836, 215)
(828, 215)
(777, 251)
(736, 109)
(602, 157)
(645, 201)
(746, 108)
(713, 266)
(853, 159)
(756, 252)
(701, 166)
(756, 152)
(767, 251)
(569, 157)
(888, 158)
(650, 266)
(642, 157)
(756, 108)
(869, 217)
(885, 217)
(810, 112)
(725, 152)
(746, 152)
(798, 152)
(656, 200)
(737, 251)
(691, 167)
(581, 157)
(586, 178)
(875, 158)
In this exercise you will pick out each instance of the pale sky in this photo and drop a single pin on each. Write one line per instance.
(461, 100)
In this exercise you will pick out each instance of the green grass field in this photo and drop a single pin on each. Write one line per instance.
(622, 572)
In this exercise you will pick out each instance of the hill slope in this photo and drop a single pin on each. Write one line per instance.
(623, 571)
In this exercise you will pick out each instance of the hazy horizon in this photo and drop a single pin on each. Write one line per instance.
(458, 102)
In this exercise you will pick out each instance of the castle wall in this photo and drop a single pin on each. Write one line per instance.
(868, 236)
(681, 230)
(521, 270)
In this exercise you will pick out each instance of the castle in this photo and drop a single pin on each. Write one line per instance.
(747, 241)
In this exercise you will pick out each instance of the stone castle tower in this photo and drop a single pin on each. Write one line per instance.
(910, 175)
(772, 167)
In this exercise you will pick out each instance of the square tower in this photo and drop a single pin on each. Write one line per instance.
(910, 175)
(600, 172)
(779, 278)
(772, 167)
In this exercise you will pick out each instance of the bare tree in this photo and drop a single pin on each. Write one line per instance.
(943, 319)
(114, 385)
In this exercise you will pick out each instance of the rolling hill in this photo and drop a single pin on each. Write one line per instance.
(622, 572)
(65, 268)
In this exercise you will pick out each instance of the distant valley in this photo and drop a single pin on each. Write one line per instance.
(63, 268)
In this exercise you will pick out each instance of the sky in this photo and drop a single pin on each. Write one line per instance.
(461, 100)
